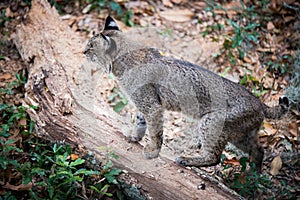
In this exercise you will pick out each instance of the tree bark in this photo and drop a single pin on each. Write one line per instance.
(62, 85)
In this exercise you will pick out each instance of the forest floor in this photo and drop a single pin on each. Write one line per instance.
(225, 39)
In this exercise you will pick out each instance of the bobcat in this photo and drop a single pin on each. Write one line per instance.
(226, 111)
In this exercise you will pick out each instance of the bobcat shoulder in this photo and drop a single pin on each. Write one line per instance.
(226, 111)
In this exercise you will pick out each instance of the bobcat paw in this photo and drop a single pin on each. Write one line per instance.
(133, 139)
(149, 152)
(182, 161)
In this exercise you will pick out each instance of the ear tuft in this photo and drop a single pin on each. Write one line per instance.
(110, 24)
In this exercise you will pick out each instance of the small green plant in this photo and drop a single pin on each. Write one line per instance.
(13, 119)
(16, 128)
(60, 5)
(2, 57)
(247, 184)
(44, 171)
(115, 7)
(127, 16)
(244, 35)
(257, 88)
(21, 80)
(117, 100)
(109, 172)
(57, 172)
(3, 18)
(282, 65)
(8, 196)
(212, 28)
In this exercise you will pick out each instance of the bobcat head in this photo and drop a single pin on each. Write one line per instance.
(102, 48)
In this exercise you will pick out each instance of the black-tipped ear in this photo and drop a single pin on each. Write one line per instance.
(110, 24)
(284, 101)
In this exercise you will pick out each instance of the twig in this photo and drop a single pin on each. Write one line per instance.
(216, 182)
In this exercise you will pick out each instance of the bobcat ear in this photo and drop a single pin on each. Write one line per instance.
(110, 24)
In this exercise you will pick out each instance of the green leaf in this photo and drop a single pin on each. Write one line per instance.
(244, 80)
(235, 25)
(87, 172)
(77, 178)
(108, 165)
(119, 106)
(110, 176)
(68, 149)
(252, 38)
(78, 161)
(241, 54)
(34, 107)
(94, 188)
(227, 43)
(116, 7)
(251, 26)
(8, 142)
(104, 189)
(253, 79)
(243, 162)
(225, 71)
(51, 191)
(31, 127)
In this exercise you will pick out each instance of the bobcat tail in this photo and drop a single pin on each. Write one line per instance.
(277, 111)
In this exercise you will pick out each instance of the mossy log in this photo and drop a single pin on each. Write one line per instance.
(62, 85)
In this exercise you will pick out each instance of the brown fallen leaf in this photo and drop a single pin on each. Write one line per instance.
(289, 18)
(242, 178)
(233, 162)
(270, 26)
(74, 156)
(21, 187)
(23, 122)
(5, 76)
(269, 128)
(276, 165)
(167, 3)
(293, 129)
(272, 49)
(297, 177)
(176, 1)
(175, 15)
(200, 5)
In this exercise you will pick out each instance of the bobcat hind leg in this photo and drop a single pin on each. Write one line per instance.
(250, 145)
(213, 141)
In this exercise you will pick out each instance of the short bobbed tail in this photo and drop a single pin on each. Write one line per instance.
(278, 111)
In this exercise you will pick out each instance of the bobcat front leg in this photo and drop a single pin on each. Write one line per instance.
(155, 134)
(213, 139)
(148, 103)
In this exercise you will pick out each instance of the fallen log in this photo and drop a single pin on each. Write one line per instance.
(61, 84)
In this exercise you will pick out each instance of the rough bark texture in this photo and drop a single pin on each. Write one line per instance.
(61, 84)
